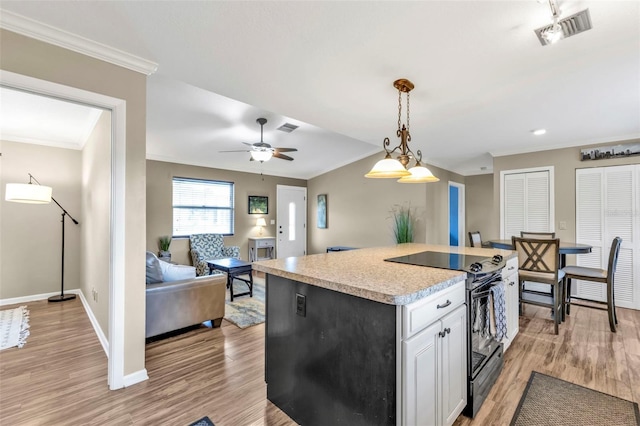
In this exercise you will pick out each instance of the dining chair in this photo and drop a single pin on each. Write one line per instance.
(538, 261)
(526, 234)
(475, 239)
(604, 276)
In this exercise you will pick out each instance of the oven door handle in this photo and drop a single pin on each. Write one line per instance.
(448, 302)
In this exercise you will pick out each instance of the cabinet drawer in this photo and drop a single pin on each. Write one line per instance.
(264, 243)
(510, 268)
(420, 314)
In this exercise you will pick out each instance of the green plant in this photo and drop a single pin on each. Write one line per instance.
(164, 242)
(403, 224)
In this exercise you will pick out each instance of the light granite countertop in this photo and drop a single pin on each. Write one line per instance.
(364, 273)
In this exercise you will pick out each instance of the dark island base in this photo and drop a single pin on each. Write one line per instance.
(330, 357)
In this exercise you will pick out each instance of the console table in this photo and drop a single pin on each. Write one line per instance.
(266, 243)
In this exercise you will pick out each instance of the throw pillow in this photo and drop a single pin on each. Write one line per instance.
(171, 272)
(154, 273)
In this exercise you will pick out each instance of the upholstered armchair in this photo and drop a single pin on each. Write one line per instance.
(209, 246)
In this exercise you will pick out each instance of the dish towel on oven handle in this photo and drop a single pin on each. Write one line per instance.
(498, 311)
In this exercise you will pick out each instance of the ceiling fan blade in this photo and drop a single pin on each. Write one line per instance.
(282, 156)
(240, 150)
(285, 149)
(247, 143)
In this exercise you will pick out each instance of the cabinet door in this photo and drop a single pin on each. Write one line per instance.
(513, 308)
(453, 365)
(421, 377)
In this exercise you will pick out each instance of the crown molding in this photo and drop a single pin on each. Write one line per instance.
(43, 32)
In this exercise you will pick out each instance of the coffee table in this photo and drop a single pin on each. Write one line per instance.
(234, 268)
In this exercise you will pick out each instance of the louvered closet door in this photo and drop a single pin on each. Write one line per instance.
(527, 206)
(527, 203)
(607, 205)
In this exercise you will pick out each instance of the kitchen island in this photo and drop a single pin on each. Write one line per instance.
(353, 339)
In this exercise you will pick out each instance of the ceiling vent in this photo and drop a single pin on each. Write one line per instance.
(571, 25)
(287, 127)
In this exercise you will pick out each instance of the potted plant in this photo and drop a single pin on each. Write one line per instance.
(403, 224)
(164, 242)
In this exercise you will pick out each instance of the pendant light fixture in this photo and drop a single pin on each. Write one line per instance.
(397, 168)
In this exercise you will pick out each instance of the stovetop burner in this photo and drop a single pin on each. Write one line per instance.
(476, 265)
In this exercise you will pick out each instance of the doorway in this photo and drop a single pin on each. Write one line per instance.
(456, 214)
(115, 345)
(291, 221)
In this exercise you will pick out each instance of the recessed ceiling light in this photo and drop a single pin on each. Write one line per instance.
(539, 132)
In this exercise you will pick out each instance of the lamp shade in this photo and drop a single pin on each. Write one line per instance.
(419, 174)
(28, 193)
(261, 155)
(261, 222)
(388, 168)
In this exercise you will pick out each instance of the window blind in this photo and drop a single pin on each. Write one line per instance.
(202, 206)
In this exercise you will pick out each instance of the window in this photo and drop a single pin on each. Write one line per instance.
(202, 206)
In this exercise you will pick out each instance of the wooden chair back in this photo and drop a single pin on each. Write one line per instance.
(548, 235)
(538, 259)
(475, 239)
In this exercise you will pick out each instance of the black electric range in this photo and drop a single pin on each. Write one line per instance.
(476, 266)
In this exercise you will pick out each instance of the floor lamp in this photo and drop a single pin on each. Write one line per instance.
(40, 194)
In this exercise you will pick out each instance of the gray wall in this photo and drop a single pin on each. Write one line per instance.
(565, 162)
(479, 207)
(30, 234)
(359, 210)
(159, 204)
(96, 207)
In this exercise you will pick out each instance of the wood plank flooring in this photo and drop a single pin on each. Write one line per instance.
(60, 376)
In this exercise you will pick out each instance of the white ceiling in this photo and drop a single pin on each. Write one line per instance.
(483, 81)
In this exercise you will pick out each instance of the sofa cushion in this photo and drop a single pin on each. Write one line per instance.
(171, 272)
(154, 272)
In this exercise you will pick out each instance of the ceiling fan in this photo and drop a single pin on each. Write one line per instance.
(262, 151)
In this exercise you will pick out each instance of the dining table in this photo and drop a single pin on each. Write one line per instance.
(566, 247)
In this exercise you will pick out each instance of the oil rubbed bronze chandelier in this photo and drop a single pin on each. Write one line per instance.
(397, 168)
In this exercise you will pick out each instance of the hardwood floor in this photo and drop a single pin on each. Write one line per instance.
(60, 376)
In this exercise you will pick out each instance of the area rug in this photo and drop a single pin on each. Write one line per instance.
(551, 401)
(246, 311)
(205, 421)
(14, 327)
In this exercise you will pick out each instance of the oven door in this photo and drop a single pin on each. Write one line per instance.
(481, 327)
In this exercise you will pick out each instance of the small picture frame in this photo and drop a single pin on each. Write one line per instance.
(322, 211)
(258, 204)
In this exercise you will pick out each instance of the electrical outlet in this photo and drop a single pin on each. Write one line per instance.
(563, 225)
(301, 305)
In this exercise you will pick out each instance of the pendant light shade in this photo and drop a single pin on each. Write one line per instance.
(388, 168)
(419, 174)
(28, 193)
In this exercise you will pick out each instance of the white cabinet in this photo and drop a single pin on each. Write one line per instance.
(434, 363)
(512, 296)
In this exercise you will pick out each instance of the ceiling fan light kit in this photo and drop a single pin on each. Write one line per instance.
(397, 168)
(262, 151)
(563, 28)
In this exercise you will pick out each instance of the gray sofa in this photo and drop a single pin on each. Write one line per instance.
(178, 304)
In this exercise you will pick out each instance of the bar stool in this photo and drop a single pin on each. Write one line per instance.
(475, 239)
(595, 275)
(538, 261)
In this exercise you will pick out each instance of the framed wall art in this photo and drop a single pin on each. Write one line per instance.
(258, 204)
(322, 211)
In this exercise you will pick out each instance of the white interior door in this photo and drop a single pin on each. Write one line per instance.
(291, 221)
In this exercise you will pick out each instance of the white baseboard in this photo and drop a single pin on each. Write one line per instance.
(137, 377)
(94, 322)
(33, 297)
